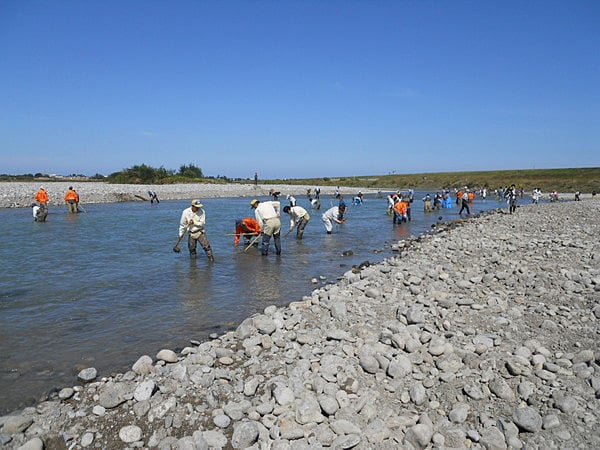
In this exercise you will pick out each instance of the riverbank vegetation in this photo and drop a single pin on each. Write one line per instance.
(562, 180)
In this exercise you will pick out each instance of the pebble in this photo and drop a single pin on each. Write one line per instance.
(87, 375)
(527, 419)
(130, 434)
(167, 355)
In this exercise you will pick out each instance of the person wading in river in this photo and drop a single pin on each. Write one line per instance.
(247, 227)
(267, 215)
(193, 220)
(298, 217)
(72, 200)
(41, 196)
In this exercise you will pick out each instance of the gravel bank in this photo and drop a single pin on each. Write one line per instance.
(20, 195)
(483, 335)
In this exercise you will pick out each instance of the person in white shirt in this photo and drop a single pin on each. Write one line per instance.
(298, 217)
(39, 212)
(193, 220)
(315, 203)
(292, 199)
(329, 216)
(267, 215)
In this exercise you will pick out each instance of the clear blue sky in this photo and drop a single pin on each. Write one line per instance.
(299, 88)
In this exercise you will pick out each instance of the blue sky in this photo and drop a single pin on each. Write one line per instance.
(296, 89)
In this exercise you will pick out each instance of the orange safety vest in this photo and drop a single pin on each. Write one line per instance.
(471, 196)
(71, 195)
(400, 208)
(42, 196)
(248, 225)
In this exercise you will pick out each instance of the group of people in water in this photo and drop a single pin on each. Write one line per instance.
(266, 222)
(40, 208)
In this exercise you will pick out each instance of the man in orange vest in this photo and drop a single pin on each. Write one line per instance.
(72, 199)
(41, 197)
(400, 211)
(247, 227)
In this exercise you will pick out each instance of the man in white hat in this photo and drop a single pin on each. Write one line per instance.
(193, 220)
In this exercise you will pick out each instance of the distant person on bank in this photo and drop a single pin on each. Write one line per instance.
(511, 198)
(193, 220)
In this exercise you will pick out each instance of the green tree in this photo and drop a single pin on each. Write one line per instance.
(190, 171)
(141, 174)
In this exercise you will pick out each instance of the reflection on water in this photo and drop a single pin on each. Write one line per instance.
(103, 287)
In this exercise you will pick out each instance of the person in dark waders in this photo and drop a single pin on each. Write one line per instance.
(193, 220)
(267, 215)
(465, 203)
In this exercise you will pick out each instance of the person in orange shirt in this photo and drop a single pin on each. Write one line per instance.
(400, 211)
(41, 197)
(72, 199)
(247, 227)
(459, 195)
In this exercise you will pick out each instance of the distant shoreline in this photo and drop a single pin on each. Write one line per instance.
(21, 194)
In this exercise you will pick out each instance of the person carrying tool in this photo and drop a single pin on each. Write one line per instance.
(298, 217)
(193, 220)
(247, 227)
(72, 199)
(267, 215)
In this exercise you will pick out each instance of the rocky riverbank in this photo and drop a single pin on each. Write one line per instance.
(21, 194)
(482, 334)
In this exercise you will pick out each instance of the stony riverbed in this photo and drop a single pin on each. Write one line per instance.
(21, 194)
(482, 334)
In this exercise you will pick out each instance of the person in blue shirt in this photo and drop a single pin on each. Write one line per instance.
(341, 206)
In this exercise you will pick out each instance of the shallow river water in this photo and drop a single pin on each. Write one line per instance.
(102, 288)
